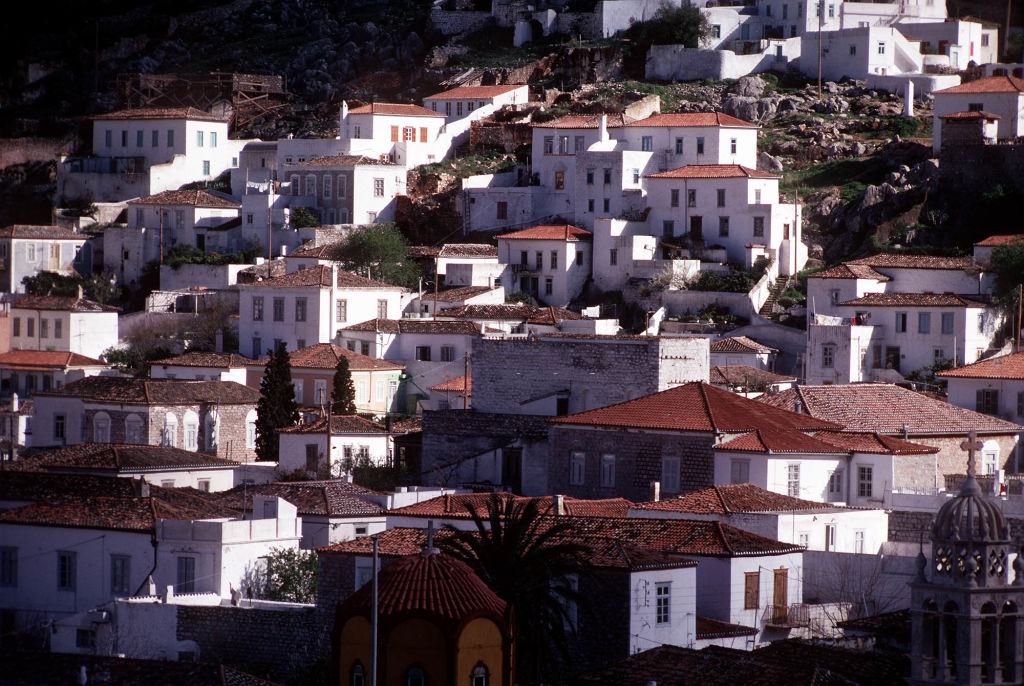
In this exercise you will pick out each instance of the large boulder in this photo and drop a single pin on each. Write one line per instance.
(769, 163)
(747, 108)
(748, 87)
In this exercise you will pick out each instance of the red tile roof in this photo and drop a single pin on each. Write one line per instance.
(562, 232)
(51, 359)
(341, 161)
(906, 261)
(511, 312)
(206, 359)
(739, 344)
(157, 391)
(396, 109)
(475, 92)
(849, 271)
(989, 84)
(745, 376)
(56, 302)
(1003, 367)
(468, 250)
(696, 407)
(971, 115)
(456, 294)
(326, 355)
(712, 171)
(325, 251)
(457, 506)
(192, 198)
(423, 326)
(584, 121)
(333, 498)
(768, 440)
(708, 628)
(319, 276)
(41, 232)
(31, 486)
(340, 424)
(456, 385)
(885, 408)
(733, 499)
(161, 113)
(917, 300)
(1002, 239)
(127, 458)
(687, 119)
(873, 442)
(431, 583)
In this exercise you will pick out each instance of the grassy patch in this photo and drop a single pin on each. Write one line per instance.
(851, 176)
(471, 165)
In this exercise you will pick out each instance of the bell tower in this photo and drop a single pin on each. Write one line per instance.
(966, 616)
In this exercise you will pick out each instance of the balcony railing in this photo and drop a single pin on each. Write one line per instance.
(786, 616)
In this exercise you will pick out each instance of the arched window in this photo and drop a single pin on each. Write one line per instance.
(211, 428)
(133, 429)
(250, 430)
(358, 675)
(311, 184)
(479, 676)
(191, 431)
(101, 428)
(170, 433)
(415, 676)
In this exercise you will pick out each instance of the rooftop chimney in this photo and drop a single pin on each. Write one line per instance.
(558, 504)
(141, 488)
(602, 129)
(14, 403)
(655, 491)
(906, 430)
(218, 340)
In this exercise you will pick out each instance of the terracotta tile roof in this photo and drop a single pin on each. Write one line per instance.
(1002, 239)
(612, 553)
(396, 109)
(917, 300)
(542, 232)
(849, 271)
(906, 261)
(333, 498)
(455, 294)
(989, 84)
(319, 276)
(394, 542)
(708, 628)
(206, 359)
(694, 406)
(341, 161)
(41, 232)
(457, 506)
(768, 440)
(971, 115)
(258, 272)
(873, 442)
(157, 391)
(553, 315)
(686, 119)
(423, 326)
(745, 376)
(584, 121)
(456, 385)
(732, 499)
(422, 251)
(56, 302)
(325, 251)
(885, 408)
(1003, 367)
(17, 485)
(739, 344)
(125, 458)
(326, 355)
(468, 250)
(52, 359)
(431, 583)
(510, 312)
(340, 424)
(475, 92)
(161, 113)
(192, 198)
(712, 171)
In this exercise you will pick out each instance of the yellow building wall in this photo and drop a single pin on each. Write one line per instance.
(480, 641)
(416, 642)
(354, 646)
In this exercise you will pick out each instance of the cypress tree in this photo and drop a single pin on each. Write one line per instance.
(276, 407)
(343, 394)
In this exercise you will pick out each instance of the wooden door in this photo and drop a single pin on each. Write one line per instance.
(696, 228)
(780, 595)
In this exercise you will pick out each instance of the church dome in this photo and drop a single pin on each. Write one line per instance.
(970, 516)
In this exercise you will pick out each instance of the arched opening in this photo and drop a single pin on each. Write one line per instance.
(480, 676)
(1008, 640)
(250, 430)
(989, 642)
(210, 429)
(930, 633)
(415, 676)
(133, 429)
(358, 675)
(170, 433)
(101, 428)
(191, 430)
(950, 619)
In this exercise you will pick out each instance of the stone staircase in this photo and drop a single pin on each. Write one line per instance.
(768, 308)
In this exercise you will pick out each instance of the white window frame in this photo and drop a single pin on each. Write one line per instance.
(608, 471)
(577, 468)
(670, 468)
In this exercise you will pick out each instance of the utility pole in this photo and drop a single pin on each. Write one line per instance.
(373, 614)
(465, 383)
(1006, 33)
(821, 21)
(161, 213)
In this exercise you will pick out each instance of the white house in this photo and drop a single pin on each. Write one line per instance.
(432, 303)
(962, 42)
(1001, 96)
(859, 52)
(748, 381)
(741, 350)
(550, 263)
(464, 101)
(468, 264)
(994, 386)
(24, 371)
(142, 152)
(353, 441)
(50, 322)
(405, 134)
(309, 306)
(26, 250)
(202, 366)
(344, 189)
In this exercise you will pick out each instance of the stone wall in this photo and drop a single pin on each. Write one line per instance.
(23, 150)
(283, 644)
(679, 63)
(455, 22)
(971, 169)
(507, 136)
(638, 458)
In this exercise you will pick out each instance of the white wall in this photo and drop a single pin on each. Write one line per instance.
(292, 454)
(1008, 106)
(681, 629)
(86, 333)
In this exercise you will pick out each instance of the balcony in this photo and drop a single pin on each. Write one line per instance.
(792, 616)
(524, 268)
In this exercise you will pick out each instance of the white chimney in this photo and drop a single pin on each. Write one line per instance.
(558, 504)
(602, 129)
(342, 116)
(655, 491)
(908, 99)
(169, 594)
(14, 403)
(218, 340)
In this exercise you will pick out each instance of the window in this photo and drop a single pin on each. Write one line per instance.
(559, 180)
(378, 188)
(751, 590)
(58, 328)
(191, 431)
(989, 462)
(297, 384)
(554, 259)
(66, 570)
(663, 603)
(139, 140)
(502, 209)
(670, 467)
(124, 139)
(120, 574)
(716, 30)
(830, 537)
(901, 322)
(423, 353)
(549, 145)
(382, 309)
(679, 146)
(341, 310)
(101, 428)
(300, 310)
(881, 47)
(250, 430)
(947, 322)
(607, 471)
(199, 139)
(674, 198)
(758, 227)
(757, 196)
(590, 205)
(835, 483)
(85, 639)
(853, 49)
(320, 391)
(636, 175)
(8, 566)
(563, 145)
(203, 485)
(924, 322)
(415, 676)
(700, 145)
(723, 227)
(987, 400)
(606, 205)
(170, 138)
(732, 146)
(577, 469)
(257, 309)
(364, 347)
(721, 197)
(858, 542)
(549, 285)
(984, 40)
(447, 353)
(613, 257)
(278, 309)
(186, 575)
(257, 346)
(793, 480)
(31, 252)
(803, 539)
(864, 481)
(59, 427)
(646, 143)
(668, 228)
(44, 328)
(30, 327)
(739, 471)
(590, 176)
(312, 457)
(785, 11)
(1020, 404)
(538, 259)
(108, 138)
(578, 144)
(607, 175)
(479, 675)
(170, 437)
(828, 356)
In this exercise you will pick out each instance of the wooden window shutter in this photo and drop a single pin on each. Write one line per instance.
(394, 134)
(751, 590)
(423, 134)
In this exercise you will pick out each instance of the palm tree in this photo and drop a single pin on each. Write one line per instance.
(529, 560)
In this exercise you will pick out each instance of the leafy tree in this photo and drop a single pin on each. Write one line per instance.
(685, 25)
(1008, 264)
(291, 576)
(343, 394)
(276, 407)
(52, 283)
(526, 559)
(303, 217)
(381, 251)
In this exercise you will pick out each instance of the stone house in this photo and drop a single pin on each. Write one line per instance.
(58, 323)
(548, 263)
(217, 418)
(26, 250)
(1000, 96)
